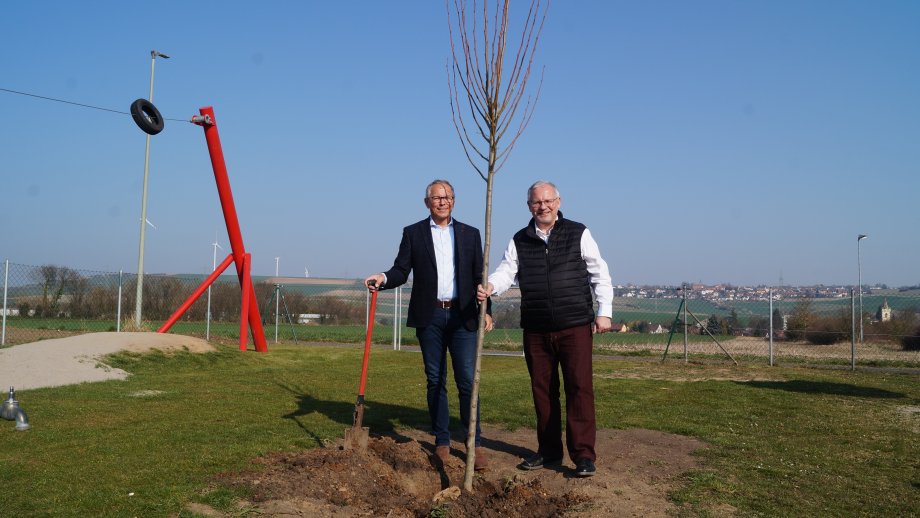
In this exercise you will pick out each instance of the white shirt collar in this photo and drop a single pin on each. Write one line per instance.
(545, 235)
(432, 224)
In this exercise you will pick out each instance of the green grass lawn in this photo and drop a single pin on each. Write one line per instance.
(802, 442)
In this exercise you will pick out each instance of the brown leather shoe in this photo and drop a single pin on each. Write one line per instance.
(442, 453)
(482, 459)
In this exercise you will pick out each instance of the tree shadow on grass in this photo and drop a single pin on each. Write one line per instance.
(382, 419)
(823, 387)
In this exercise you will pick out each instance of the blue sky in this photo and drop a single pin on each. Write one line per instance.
(712, 141)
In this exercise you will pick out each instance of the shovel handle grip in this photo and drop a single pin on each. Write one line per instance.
(367, 343)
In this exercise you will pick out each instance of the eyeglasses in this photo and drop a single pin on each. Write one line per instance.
(439, 199)
(537, 203)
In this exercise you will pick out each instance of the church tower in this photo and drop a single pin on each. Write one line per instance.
(884, 312)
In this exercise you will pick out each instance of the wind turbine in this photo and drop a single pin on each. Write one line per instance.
(207, 329)
(306, 272)
(214, 257)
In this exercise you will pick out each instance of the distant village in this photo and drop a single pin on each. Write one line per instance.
(725, 292)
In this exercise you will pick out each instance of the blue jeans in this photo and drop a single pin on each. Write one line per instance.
(446, 334)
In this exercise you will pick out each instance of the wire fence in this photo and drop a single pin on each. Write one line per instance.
(836, 325)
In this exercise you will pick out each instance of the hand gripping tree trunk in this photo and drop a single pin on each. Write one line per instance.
(491, 105)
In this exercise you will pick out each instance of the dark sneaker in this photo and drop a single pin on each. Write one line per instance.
(537, 462)
(585, 468)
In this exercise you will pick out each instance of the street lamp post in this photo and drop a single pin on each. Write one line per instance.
(859, 273)
(139, 299)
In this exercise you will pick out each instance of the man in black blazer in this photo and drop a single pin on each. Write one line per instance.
(445, 257)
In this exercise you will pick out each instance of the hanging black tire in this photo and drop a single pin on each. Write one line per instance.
(146, 116)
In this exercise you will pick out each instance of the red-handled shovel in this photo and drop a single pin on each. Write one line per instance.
(356, 436)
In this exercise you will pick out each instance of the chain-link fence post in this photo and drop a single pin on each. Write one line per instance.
(853, 330)
(118, 310)
(770, 331)
(6, 276)
(686, 337)
(207, 312)
(400, 328)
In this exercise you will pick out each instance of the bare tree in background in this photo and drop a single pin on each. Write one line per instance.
(490, 109)
(56, 282)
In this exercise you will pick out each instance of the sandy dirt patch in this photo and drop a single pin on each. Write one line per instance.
(77, 359)
(398, 476)
(746, 346)
(910, 414)
(692, 373)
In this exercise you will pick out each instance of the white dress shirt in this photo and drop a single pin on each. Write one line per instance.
(506, 273)
(443, 238)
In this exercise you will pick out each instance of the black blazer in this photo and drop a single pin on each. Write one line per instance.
(416, 254)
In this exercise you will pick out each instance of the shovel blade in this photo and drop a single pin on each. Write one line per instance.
(356, 438)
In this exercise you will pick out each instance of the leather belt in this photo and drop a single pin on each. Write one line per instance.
(444, 304)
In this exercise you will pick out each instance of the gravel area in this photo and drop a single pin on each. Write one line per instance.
(77, 359)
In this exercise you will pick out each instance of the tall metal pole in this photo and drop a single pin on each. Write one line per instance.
(139, 299)
(859, 273)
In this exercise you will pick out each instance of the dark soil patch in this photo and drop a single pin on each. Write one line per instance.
(398, 476)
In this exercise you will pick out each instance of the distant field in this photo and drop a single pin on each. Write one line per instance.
(383, 333)
(663, 311)
(745, 349)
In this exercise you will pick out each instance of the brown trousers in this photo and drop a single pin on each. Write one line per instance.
(545, 353)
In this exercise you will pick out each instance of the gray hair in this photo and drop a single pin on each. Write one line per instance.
(540, 183)
(438, 182)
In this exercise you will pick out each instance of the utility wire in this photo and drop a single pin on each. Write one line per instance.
(78, 104)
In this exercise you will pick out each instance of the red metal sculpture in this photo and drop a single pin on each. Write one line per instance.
(249, 313)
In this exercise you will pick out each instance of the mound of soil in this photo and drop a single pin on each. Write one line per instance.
(398, 476)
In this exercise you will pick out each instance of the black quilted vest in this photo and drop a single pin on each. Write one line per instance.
(554, 280)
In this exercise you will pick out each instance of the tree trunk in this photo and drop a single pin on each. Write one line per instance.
(480, 339)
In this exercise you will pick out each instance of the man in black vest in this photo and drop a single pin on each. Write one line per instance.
(445, 257)
(558, 265)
